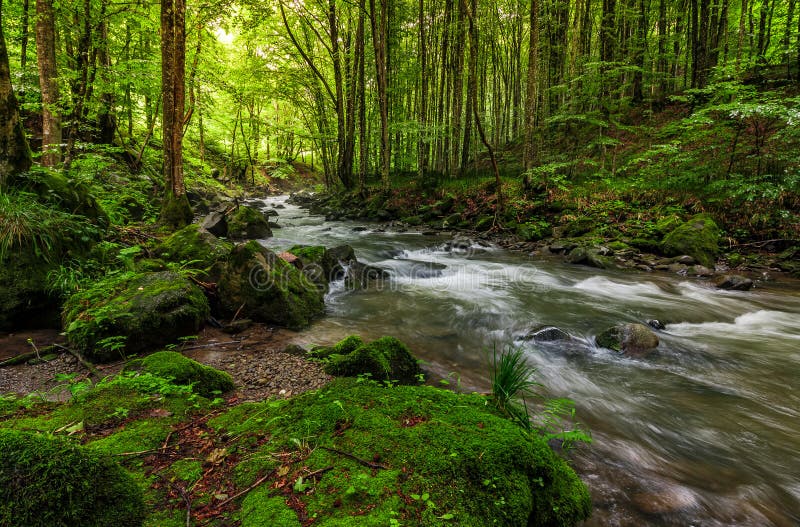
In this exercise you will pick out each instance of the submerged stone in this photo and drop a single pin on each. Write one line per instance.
(628, 338)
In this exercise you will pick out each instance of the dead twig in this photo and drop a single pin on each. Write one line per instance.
(364, 462)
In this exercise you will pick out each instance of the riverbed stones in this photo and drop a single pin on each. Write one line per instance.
(734, 282)
(699, 238)
(628, 338)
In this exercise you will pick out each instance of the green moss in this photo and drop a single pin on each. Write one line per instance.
(166, 519)
(259, 510)
(50, 481)
(470, 462)
(699, 238)
(579, 227)
(205, 380)
(248, 223)
(384, 359)
(176, 212)
(193, 244)
(309, 254)
(137, 312)
(138, 436)
(188, 470)
(270, 289)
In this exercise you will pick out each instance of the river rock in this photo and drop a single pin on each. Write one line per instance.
(268, 289)
(592, 257)
(216, 223)
(699, 238)
(628, 338)
(247, 222)
(656, 324)
(548, 334)
(700, 271)
(734, 282)
(194, 244)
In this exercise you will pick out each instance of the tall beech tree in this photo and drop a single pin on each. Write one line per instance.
(175, 210)
(48, 83)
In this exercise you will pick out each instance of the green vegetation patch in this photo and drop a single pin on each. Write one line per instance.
(357, 453)
(247, 223)
(130, 313)
(51, 481)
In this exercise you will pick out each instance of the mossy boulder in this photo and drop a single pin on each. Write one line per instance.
(52, 481)
(267, 288)
(194, 244)
(385, 359)
(699, 238)
(64, 192)
(145, 311)
(247, 223)
(205, 380)
(426, 444)
(628, 338)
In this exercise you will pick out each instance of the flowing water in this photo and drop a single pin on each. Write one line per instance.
(705, 431)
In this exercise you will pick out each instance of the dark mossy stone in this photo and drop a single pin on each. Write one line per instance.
(267, 288)
(579, 227)
(699, 238)
(646, 244)
(628, 338)
(176, 212)
(412, 220)
(385, 359)
(734, 282)
(146, 310)
(25, 300)
(484, 223)
(205, 380)
(667, 224)
(48, 481)
(194, 244)
(533, 231)
(477, 467)
(247, 223)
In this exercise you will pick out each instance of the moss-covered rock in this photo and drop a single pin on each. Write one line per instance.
(205, 380)
(628, 338)
(176, 212)
(65, 193)
(699, 238)
(246, 223)
(270, 289)
(194, 244)
(428, 445)
(51, 481)
(385, 359)
(145, 311)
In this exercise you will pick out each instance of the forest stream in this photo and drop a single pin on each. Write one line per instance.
(703, 431)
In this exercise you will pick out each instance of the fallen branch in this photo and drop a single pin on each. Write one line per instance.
(19, 359)
(765, 242)
(88, 365)
(364, 462)
(319, 472)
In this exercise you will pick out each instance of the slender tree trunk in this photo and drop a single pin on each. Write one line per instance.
(23, 56)
(15, 156)
(422, 154)
(530, 152)
(380, 34)
(362, 100)
(48, 81)
(458, 89)
(175, 211)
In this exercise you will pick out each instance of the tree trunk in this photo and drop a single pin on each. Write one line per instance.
(530, 152)
(175, 211)
(48, 81)
(380, 35)
(15, 157)
(422, 154)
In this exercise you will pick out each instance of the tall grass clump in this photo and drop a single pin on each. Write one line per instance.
(512, 382)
